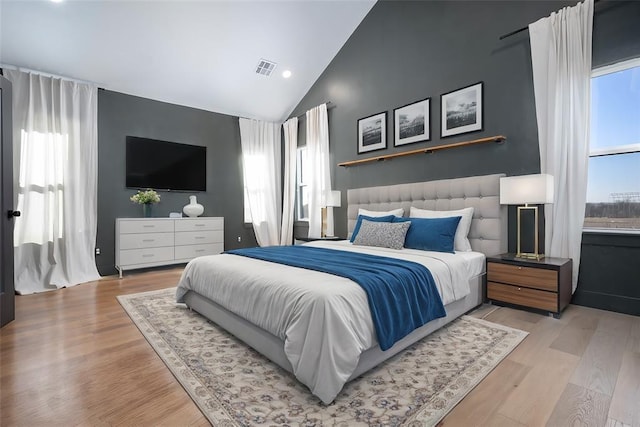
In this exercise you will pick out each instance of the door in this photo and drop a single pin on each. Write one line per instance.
(7, 292)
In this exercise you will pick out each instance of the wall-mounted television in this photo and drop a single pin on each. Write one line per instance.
(163, 165)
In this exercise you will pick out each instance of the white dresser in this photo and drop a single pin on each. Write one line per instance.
(150, 242)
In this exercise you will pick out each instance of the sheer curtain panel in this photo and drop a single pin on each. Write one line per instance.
(261, 168)
(290, 128)
(55, 156)
(561, 58)
(319, 169)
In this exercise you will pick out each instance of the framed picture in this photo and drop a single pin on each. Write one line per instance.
(411, 123)
(461, 110)
(372, 133)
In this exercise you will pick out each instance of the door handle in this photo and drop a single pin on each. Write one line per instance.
(12, 213)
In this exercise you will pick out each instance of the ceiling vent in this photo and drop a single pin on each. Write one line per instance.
(265, 67)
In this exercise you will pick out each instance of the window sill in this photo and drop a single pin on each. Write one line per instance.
(616, 231)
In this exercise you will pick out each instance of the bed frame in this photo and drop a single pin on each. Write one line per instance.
(488, 234)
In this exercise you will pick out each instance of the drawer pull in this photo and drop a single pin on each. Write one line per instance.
(199, 250)
(147, 256)
(198, 225)
(199, 237)
(519, 268)
(149, 226)
(519, 289)
(149, 240)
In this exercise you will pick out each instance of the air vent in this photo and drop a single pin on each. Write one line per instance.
(265, 67)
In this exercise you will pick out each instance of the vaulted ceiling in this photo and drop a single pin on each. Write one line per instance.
(200, 54)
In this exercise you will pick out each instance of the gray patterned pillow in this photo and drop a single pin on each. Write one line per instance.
(382, 234)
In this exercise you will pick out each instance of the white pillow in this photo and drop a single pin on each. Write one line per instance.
(396, 212)
(460, 241)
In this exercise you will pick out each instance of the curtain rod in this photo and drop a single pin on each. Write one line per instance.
(329, 106)
(45, 74)
(504, 36)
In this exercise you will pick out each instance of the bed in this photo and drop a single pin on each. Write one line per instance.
(325, 344)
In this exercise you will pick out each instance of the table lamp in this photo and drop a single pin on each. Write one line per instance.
(524, 190)
(332, 201)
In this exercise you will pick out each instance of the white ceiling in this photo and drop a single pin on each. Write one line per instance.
(201, 54)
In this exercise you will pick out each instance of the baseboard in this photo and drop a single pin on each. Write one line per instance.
(617, 303)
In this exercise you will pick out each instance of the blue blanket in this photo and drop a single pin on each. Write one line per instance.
(402, 294)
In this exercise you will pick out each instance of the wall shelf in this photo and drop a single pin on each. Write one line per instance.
(426, 150)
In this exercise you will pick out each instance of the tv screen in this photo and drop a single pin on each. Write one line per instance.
(163, 165)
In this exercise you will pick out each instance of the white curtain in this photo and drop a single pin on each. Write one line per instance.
(319, 168)
(288, 204)
(261, 167)
(56, 159)
(561, 58)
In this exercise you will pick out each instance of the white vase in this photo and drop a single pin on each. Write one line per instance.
(193, 209)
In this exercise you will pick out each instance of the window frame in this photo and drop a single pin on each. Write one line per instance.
(300, 182)
(630, 148)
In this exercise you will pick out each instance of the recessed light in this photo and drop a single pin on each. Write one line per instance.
(286, 74)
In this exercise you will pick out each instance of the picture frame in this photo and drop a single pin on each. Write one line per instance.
(462, 110)
(372, 133)
(411, 123)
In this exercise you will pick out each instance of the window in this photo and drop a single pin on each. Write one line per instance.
(302, 187)
(613, 187)
(255, 171)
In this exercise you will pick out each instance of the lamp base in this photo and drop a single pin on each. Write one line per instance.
(526, 255)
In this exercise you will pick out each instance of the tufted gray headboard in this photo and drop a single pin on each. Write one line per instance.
(488, 232)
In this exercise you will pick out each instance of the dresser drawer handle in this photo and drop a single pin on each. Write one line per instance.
(519, 289)
(199, 250)
(147, 256)
(199, 237)
(198, 225)
(519, 268)
(149, 226)
(149, 240)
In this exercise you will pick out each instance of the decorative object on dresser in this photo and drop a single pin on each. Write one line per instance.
(540, 284)
(527, 189)
(146, 199)
(193, 209)
(411, 123)
(372, 133)
(461, 110)
(142, 243)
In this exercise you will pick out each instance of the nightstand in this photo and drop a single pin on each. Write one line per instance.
(543, 285)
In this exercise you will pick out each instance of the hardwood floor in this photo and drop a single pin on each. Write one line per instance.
(73, 357)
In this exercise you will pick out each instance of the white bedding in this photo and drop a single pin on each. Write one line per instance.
(324, 320)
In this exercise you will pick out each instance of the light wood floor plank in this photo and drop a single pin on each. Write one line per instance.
(476, 409)
(633, 344)
(533, 402)
(625, 404)
(574, 337)
(579, 406)
(599, 366)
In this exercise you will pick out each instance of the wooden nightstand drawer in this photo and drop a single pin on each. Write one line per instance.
(523, 296)
(523, 276)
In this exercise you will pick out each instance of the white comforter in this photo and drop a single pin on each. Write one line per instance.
(324, 320)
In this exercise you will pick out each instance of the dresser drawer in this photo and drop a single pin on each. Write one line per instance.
(538, 278)
(199, 237)
(193, 251)
(146, 226)
(523, 296)
(146, 240)
(199, 224)
(141, 256)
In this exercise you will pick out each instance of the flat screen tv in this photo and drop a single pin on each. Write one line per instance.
(163, 165)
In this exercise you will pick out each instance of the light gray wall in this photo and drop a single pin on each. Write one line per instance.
(120, 115)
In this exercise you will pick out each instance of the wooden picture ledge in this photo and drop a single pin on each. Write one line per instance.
(425, 150)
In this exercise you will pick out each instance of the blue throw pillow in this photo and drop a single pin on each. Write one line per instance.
(431, 234)
(356, 229)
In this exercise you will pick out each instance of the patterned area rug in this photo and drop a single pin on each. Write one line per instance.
(234, 385)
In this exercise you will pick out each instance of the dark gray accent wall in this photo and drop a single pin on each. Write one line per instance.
(120, 115)
(404, 51)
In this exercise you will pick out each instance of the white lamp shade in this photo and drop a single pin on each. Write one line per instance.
(534, 189)
(334, 199)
